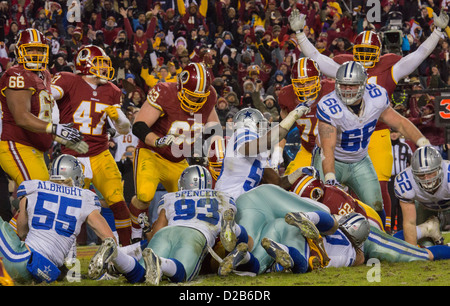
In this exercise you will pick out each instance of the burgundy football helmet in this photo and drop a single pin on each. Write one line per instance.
(193, 86)
(28, 42)
(367, 48)
(216, 156)
(93, 61)
(306, 79)
(309, 187)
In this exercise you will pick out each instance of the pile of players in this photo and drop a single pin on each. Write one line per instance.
(240, 208)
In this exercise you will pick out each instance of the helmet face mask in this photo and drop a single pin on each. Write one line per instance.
(193, 87)
(67, 167)
(195, 178)
(306, 79)
(426, 168)
(351, 80)
(367, 48)
(92, 61)
(32, 50)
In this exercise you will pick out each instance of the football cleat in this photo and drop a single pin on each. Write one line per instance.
(431, 229)
(312, 235)
(5, 279)
(99, 263)
(234, 259)
(227, 235)
(153, 273)
(275, 251)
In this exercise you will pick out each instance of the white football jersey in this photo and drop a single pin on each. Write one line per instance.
(241, 173)
(353, 132)
(407, 190)
(55, 215)
(199, 209)
(339, 249)
(122, 142)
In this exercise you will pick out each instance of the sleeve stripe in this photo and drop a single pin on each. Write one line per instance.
(321, 115)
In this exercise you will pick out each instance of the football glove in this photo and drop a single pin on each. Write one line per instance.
(297, 21)
(112, 113)
(441, 21)
(164, 141)
(64, 131)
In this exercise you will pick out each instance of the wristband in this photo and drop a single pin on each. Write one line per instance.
(422, 141)
(330, 176)
(49, 128)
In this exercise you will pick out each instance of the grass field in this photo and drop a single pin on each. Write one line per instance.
(425, 273)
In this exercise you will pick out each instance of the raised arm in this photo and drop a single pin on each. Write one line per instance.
(326, 64)
(409, 63)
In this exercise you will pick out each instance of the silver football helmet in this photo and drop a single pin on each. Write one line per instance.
(67, 166)
(356, 227)
(351, 73)
(194, 178)
(427, 169)
(252, 119)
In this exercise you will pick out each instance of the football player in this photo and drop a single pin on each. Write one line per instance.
(26, 102)
(423, 189)
(85, 99)
(245, 164)
(385, 70)
(50, 232)
(168, 126)
(347, 118)
(307, 87)
(189, 221)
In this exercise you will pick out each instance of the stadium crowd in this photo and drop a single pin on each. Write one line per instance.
(247, 45)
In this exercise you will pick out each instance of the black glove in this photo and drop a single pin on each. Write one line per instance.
(65, 131)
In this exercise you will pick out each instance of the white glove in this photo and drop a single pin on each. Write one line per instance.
(297, 21)
(297, 113)
(441, 21)
(301, 110)
(80, 146)
(277, 157)
(164, 141)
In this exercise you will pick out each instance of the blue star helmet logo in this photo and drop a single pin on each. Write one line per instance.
(248, 114)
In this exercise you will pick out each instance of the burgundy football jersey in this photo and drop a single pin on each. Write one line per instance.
(85, 107)
(175, 121)
(307, 125)
(380, 74)
(18, 78)
(339, 202)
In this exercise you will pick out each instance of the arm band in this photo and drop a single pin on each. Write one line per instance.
(141, 130)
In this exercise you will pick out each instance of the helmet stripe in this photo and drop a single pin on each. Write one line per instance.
(367, 37)
(302, 67)
(201, 82)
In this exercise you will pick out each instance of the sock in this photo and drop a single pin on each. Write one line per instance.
(242, 236)
(440, 251)
(123, 262)
(180, 274)
(323, 221)
(386, 204)
(300, 262)
(137, 274)
(107, 213)
(252, 265)
(122, 221)
(400, 235)
(135, 212)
